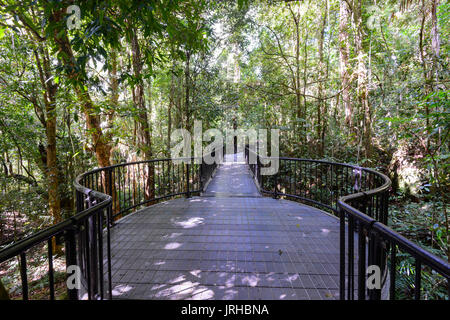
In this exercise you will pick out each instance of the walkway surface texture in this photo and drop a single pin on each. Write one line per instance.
(229, 243)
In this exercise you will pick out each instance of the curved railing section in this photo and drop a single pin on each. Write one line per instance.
(104, 195)
(359, 197)
(132, 185)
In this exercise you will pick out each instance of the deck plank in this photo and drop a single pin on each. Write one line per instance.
(232, 179)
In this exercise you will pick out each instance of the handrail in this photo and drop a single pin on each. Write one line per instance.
(363, 212)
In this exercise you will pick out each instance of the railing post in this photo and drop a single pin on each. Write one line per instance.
(375, 258)
(188, 192)
(342, 254)
(71, 257)
(23, 275)
(110, 187)
(246, 153)
(201, 177)
(385, 207)
(79, 201)
(108, 249)
(361, 262)
(93, 250)
(258, 171)
(275, 191)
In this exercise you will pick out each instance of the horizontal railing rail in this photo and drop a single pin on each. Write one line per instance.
(359, 197)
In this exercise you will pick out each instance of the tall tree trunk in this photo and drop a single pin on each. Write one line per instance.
(187, 107)
(296, 82)
(363, 93)
(100, 144)
(435, 41)
(178, 121)
(436, 48)
(49, 98)
(144, 133)
(344, 53)
(169, 110)
(305, 81)
(114, 86)
(426, 72)
(139, 99)
(114, 104)
(321, 102)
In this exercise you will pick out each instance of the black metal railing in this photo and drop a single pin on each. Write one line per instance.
(81, 233)
(102, 196)
(359, 197)
(136, 184)
(377, 244)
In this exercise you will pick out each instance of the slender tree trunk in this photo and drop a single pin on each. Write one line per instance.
(435, 41)
(363, 93)
(100, 144)
(49, 98)
(320, 105)
(52, 157)
(305, 81)
(139, 100)
(114, 86)
(433, 85)
(296, 82)
(144, 133)
(344, 53)
(187, 107)
(426, 72)
(177, 102)
(114, 103)
(169, 111)
(436, 48)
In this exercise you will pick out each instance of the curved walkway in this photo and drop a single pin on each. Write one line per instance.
(230, 243)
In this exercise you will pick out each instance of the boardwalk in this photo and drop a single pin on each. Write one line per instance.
(229, 243)
(232, 179)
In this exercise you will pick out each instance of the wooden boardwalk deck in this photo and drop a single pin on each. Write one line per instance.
(232, 179)
(230, 243)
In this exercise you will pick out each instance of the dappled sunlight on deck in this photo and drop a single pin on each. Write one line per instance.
(226, 247)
